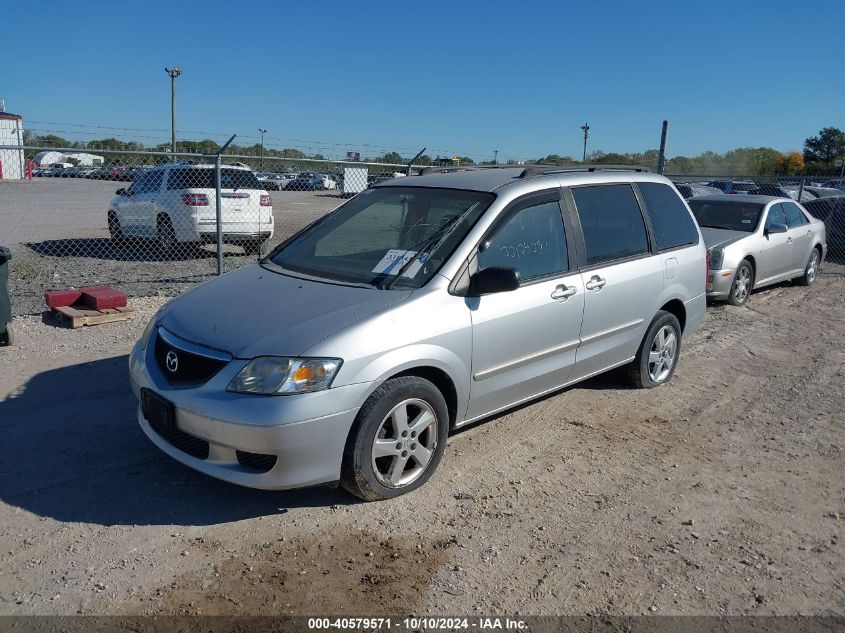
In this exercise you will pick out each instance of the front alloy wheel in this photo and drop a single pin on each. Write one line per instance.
(405, 443)
(743, 282)
(397, 440)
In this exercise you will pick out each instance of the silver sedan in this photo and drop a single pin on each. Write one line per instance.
(755, 241)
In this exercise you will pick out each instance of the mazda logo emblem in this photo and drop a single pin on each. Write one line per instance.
(172, 361)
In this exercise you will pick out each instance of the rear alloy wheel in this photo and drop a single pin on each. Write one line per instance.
(742, 285)
(658, 354)
(397, 441)
(811, 271)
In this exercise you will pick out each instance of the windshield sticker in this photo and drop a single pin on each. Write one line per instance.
(395, 258)
(746, 221)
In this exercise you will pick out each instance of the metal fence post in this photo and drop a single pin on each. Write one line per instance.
(661, 155)
(217, 164)
(801, 189)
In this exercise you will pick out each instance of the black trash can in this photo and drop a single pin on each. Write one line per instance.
(5, 302)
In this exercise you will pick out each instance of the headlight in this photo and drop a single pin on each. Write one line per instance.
(717, 256)
(280, 375)
(147, 330)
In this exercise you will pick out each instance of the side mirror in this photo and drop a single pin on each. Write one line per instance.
(776, 228)
(121, 192)
(492, 280)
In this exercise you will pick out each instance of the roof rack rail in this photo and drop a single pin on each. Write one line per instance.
(444, 170)
(539, 170)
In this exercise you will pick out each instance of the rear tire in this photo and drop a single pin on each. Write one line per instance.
(252, 246)
(167, 242)
(397, 440)
(811, 271)
(658, 355)
(7, 338)
(742, 284)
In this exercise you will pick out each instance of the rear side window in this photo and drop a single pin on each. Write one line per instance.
(794, 215)
(673, 224)
(612, 222)
(532, 241)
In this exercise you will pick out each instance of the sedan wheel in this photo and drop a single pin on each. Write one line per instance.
(743, 282)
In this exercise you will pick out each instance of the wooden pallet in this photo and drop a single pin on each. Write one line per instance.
(79, 316)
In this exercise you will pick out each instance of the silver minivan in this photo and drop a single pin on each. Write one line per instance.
(421, 305)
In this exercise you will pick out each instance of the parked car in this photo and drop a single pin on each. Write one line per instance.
(784, 191)
(831, 210)
(271, 181)
(306, 181)
(755, 241)
(733, 186)
(132, 173)
(688, 190)
(101, 173)
(323, 362)
(825, 192)
(175, 204)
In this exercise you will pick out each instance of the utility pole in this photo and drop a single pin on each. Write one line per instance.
(586, 128)
(174, 73)
(495, 157)
(262, 147)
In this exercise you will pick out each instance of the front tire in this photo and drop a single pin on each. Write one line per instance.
(397, 440)
(118, 239)
(742, 284)
(657, 357)
(811, 271)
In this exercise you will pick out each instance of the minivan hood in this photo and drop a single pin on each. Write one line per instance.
(721, 237)
(256, 312)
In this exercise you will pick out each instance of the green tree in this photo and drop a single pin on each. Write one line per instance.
(51, 140)
(392, 157)
(828, 146)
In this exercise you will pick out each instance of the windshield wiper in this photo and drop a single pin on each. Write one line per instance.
(430, 244)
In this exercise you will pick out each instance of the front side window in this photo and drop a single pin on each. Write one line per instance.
(794, 215)
(673, 225)
(612, 222)
(532, 241)
(382, 231)
(727, 214)
(776, 215)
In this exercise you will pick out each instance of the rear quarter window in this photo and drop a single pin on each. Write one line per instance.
(673, 224)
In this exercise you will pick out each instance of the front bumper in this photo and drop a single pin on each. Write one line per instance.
(305, 432)
(719, 283)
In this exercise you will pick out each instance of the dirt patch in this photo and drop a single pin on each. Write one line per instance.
(353, 573)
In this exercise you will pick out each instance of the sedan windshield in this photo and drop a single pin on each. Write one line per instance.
(735, 216)
(394, 237)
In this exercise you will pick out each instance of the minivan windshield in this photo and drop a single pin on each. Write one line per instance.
(395, 237)
(735, 216)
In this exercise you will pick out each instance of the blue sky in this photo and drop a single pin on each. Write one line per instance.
(457, 77)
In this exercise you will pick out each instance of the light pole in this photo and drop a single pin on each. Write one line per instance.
(586, 128)
(262, 147)
(495, 157)
(174, 73)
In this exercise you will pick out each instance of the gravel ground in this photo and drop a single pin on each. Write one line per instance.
(720, 493)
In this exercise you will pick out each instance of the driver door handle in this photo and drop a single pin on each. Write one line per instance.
(789, 240)
(563, 292)
(809, 232)
(595, 283)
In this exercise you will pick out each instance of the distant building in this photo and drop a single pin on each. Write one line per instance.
(12, 164)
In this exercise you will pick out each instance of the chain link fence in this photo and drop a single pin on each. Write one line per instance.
(147, 222)
(158, 222)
